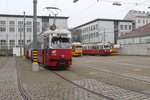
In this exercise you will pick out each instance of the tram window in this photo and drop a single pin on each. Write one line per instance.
(58, 42)
(46, 42)
(79, 47)
(106, 47)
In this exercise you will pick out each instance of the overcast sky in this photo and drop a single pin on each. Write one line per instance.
(81, 12)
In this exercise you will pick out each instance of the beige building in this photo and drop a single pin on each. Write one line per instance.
(140, 18)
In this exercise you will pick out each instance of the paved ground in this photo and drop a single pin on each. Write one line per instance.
(8, 80)
(115, 77)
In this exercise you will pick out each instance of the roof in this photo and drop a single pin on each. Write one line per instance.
(56, 31)
(142, 31)
(140, 13)
(30, 16)
(76, 43)
(103, 20)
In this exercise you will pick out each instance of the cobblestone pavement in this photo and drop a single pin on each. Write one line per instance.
(45, 85)
(50, 87)
(8, 81)
(113, 92)
(134, 64)
(124, 76)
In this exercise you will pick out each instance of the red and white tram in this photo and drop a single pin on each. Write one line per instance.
(28, 51)
(54, 48)
(97, 49)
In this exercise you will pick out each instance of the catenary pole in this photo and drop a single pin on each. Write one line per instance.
(35, 65)
(24, 40)
(35, 24)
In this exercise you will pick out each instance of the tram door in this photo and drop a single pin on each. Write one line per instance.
(46, 50)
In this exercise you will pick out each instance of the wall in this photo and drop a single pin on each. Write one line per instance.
(135, 49)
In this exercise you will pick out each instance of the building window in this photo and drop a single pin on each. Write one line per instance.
(3, 42)
(11, 29)
(91, 35)
(96, 26)
(20, 42)
(2, 29)
(129, 27)
(20, 29)
(28, 41)
(20, 23)
(2, 26)
(146, 21)
(125, 27)
(29, 23)
(96, 34)
(29, 29)
(29, 26)
(143, 21)
(2, 22)
(139, 21)
(11, 23)
(12, 42)
(121, 27)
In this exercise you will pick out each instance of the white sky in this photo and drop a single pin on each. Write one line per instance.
(79, 13)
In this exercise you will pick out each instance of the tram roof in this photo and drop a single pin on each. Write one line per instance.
(56, 31)
(77, 43)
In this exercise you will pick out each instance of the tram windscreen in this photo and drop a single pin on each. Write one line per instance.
(61, 43)
(79, 47)
(106, 47)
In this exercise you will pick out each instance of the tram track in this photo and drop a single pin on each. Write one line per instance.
(122, 63)
(114, 73)
(133, 69)
(83, 88)
(111, 73)
(20, 86)
(103, 90)
(4, 62)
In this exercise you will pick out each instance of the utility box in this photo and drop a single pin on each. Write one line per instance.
(17, 51)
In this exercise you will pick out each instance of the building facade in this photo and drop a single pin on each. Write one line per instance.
(103, 30)
(140, 18)
(12, 28)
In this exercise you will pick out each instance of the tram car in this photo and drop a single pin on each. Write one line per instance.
(54, 48)
(97, 49)
(114, 49)
(28, 51)
(77, 49)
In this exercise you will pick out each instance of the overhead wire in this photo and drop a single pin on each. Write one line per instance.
(121, 11)
(80, 13)
(123, 2)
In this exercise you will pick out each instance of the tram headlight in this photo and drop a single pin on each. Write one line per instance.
(110, 50)
(62, 56)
